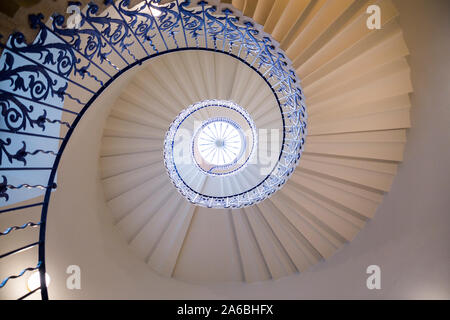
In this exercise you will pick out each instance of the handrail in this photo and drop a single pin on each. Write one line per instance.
(110, 44)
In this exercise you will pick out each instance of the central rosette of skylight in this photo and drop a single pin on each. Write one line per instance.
(218, 146)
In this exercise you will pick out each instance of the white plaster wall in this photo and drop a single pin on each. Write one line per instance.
(408, 238)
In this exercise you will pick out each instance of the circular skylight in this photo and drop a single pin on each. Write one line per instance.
(220, 142)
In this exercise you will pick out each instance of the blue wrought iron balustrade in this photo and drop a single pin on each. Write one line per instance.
(42, 80)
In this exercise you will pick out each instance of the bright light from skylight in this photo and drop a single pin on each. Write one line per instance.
(220, 143)
(155, 12)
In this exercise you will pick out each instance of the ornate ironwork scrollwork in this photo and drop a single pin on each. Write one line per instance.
(47, 65)
(20, 154)
(144, 28)
(193, 21)
(16, 115)
(30, 78)
(169, 20)
(115, 30)
(4, 188)
(94, 46)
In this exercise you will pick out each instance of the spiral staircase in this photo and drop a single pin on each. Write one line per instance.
(260, 220)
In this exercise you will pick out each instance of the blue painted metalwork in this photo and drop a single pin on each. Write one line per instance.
(33, 77)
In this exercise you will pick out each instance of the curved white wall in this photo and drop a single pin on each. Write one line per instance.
(408, 237)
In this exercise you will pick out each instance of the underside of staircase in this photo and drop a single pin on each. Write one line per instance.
(356, 88)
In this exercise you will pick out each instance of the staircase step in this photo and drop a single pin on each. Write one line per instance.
(275, 256)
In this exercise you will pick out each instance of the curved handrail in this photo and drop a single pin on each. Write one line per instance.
(100, 50)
